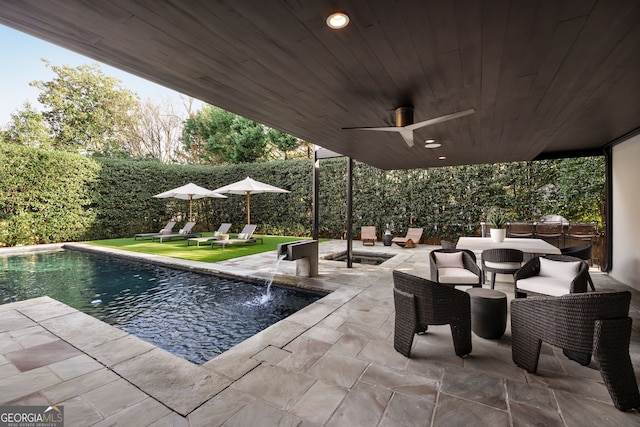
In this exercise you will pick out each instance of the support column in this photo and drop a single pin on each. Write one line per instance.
(349, 212)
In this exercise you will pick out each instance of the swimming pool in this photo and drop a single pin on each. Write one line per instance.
(195, 316)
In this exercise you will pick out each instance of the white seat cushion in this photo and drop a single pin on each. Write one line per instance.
(503, 265)
(553, 286)
(449, 260)
(457, 276)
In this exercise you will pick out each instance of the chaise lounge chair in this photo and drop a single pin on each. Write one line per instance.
(411, 239)
(245, 236)
(185, 233)
(368, 234)
(166, 230)
(222, 230)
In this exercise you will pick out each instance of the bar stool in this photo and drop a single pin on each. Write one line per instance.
(549, 230)
(585, 232)
(520, 229)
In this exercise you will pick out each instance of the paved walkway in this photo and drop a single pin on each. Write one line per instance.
(330, 364)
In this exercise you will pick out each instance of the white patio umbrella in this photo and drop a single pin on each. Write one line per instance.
(189, 192)
(248, 187)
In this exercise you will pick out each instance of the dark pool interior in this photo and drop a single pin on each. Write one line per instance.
(362, 257)
(195, 316)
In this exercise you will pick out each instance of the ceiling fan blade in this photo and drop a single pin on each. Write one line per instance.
(407, 135)
(407, 131)
(440, 119)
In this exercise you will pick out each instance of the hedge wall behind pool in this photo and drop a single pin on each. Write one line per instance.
(53, 196)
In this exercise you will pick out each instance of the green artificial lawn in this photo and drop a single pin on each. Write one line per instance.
(177, 248)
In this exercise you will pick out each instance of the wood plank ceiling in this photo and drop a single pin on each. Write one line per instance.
(545, 77)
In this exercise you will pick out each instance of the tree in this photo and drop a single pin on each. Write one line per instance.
(216, 136)
(249, 141)
(205, 136)
(284, 142)
(156, 134)
(27, 127)
(86, 110)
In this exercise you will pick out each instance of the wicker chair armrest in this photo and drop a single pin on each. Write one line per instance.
(580, 282)
(470, 264)
(531, 268)
(433, 268)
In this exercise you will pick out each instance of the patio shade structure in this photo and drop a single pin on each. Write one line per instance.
(248, 187)
(189, 192)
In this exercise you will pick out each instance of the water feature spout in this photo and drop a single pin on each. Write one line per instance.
(305, 253)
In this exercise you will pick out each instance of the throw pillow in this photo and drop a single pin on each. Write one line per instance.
(216, 233)
(181, 231)
(242, 236)
(560, 269)
(449, 260)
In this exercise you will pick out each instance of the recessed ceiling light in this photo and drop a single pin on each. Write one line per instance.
(442, 157)
(337, 20)
(432, 144)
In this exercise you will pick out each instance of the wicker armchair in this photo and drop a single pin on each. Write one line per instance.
(582, 325)
(420, 302)
(547, 286)
(472, 276)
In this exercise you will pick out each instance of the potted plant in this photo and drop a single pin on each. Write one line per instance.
(498, 220)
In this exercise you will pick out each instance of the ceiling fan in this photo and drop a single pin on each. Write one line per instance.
(405, 126)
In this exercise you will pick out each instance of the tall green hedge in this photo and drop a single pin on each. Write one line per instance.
(52, 196)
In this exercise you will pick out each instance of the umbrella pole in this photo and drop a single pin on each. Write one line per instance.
(248, 207)
(190, 200)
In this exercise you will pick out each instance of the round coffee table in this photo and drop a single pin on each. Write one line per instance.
(488, 312)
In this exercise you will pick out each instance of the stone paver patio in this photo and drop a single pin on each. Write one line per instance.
(330, 364)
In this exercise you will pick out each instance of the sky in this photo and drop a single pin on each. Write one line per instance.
(21, 63)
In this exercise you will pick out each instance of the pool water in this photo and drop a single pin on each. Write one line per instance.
(195, 316)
